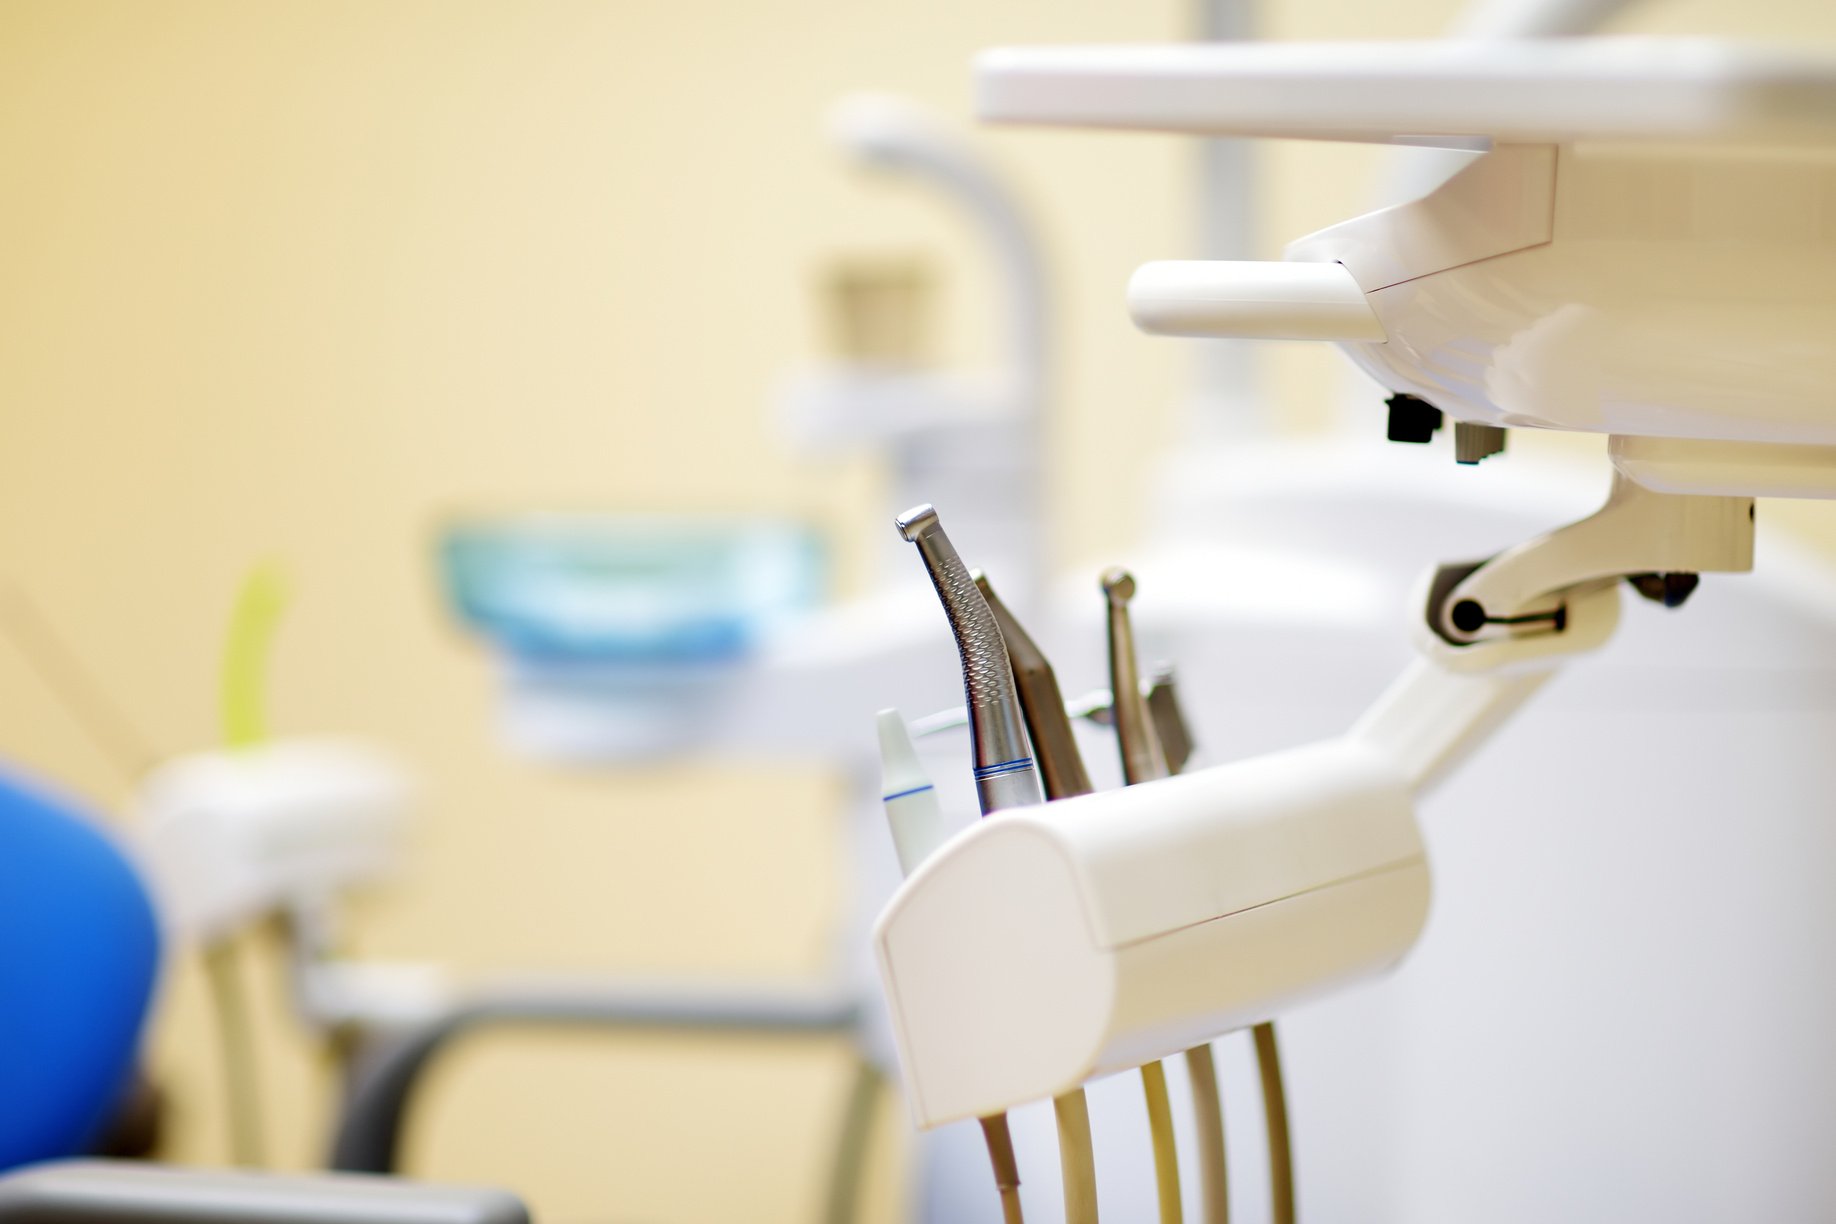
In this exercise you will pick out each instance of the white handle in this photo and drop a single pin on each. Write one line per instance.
(1251, 300)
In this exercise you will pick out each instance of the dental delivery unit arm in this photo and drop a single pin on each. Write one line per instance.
(1641, 243)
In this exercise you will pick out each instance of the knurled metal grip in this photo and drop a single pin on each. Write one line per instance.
(1005, 775)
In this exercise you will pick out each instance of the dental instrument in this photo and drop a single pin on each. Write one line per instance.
(1169, 719)
(1175, 733)
(1005, 775)
(1144, 760)
(1062, 767)
(1042, 705)
(912, 811)
(1136, 737)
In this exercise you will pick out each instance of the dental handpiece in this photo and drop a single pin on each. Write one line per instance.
(1142, 757)
(1061, 765)
(1144, 760)
(1005, 775)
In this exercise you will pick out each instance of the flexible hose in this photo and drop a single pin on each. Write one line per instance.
(1275, 1114)
(1076, 1157)
(242, 708)
(1208, 1110)
(236, 1046)
(243, 697)
(1160, 1132)
(1006, 1169)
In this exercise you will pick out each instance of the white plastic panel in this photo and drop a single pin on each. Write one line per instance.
(1726, 469)
(1449, 93)
(1684, 292)
(1047, 945)
(229, 836)
(1502, 202)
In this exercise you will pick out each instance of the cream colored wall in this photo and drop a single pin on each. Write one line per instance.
(298, 279)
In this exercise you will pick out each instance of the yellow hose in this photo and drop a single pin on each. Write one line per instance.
(1006, 1169)
(243, 697)
(242, 705)
(1160, 1131)
(1275, 1114)
(1208, 1111)
(1076, 1157)
(236, 1050)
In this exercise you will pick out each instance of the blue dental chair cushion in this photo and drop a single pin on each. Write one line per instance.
(79, 952)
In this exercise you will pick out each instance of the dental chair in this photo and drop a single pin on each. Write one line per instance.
(76, 981)
(76, 984)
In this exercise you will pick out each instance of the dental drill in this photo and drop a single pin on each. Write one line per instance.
(1005, 775)
(1144, 761)
(1062, 766)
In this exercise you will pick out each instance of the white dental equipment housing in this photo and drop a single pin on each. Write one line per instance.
(1046, 946)
(1641, 243)
(234, 835)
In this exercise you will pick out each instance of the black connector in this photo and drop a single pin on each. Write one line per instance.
(1671, 590)
(1412, 419)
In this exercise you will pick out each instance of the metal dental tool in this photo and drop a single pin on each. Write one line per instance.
(1062, 766)
(1169, 720)
(1144, 760)
(1176, 739)
(1005, 775)
(1041, 704)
